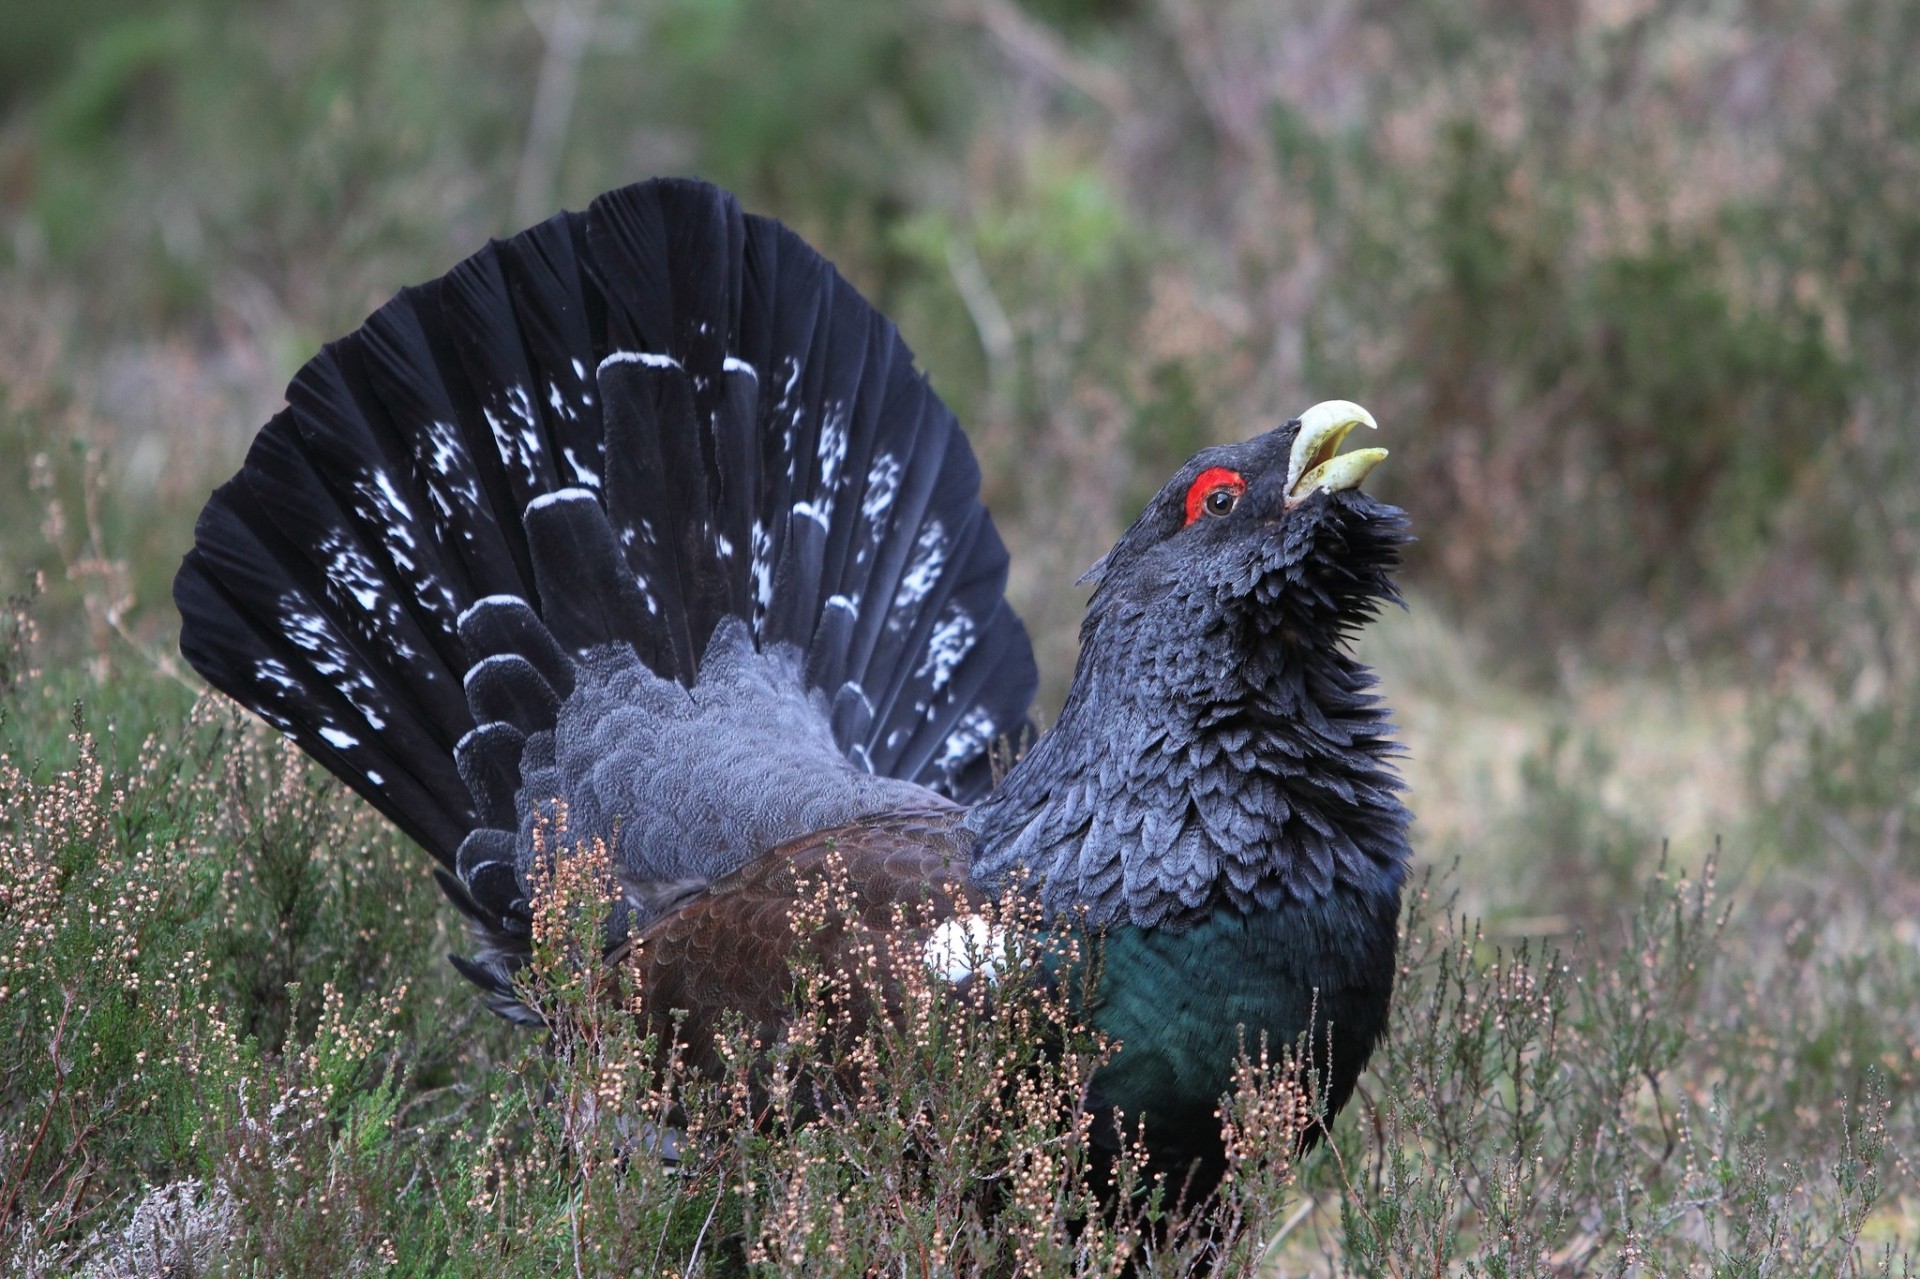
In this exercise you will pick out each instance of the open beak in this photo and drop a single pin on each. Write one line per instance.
(1317, 463)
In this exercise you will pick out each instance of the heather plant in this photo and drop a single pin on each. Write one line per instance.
(1631, 287)
(108, 1043)
(1695, 1085)
(944, 1132)
(1596, 1108)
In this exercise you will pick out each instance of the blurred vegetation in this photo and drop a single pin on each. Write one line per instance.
(1634, 287)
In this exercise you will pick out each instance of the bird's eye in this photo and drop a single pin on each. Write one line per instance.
(1215, 491)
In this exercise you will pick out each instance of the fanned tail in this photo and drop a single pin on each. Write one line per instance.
(609, 433)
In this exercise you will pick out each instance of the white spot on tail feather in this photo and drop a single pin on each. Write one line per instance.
(272, 672)
(451, 481)
(951, 640)
(581, 471)
(396, 509)
(352, 575)
(520, 404)
(964, 744)
(832, 449)
(446, 449)
(883, 484)
(561, 495)
(649, 359)
(505, 442)
(315, 636)
(761, 570)
(923, 570)
(349, 569)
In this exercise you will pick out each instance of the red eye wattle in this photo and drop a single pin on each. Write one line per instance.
(1215, 491)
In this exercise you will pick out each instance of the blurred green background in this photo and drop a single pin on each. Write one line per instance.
(1633, 287)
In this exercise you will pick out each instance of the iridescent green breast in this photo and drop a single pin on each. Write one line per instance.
(1182, 1003)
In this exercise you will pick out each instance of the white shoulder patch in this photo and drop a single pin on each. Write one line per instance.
(966, 946)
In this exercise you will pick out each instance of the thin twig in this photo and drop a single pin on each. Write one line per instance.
(997, 340)
(567, 30)
(694, 1258)
(18, 1180)
(1299, 1215)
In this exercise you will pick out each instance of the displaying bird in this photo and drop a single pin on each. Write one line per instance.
(647, 513)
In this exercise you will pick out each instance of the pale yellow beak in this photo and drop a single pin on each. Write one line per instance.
(1316, 463)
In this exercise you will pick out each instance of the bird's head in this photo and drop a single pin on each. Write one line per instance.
(1219, 743)
(1273, 535)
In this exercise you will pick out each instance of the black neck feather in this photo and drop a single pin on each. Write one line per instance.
(1203, 758)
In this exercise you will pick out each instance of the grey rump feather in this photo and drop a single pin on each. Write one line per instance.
(696, 782)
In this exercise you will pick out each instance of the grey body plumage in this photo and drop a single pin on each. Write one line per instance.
(694, 783)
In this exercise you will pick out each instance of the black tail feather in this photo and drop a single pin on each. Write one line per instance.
(260, 625)
(585, 596)
(651, 497)
(489, 763)
(506, 624)
(620, 426)
(508, 688)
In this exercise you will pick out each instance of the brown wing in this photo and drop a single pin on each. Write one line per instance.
(730, 949)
